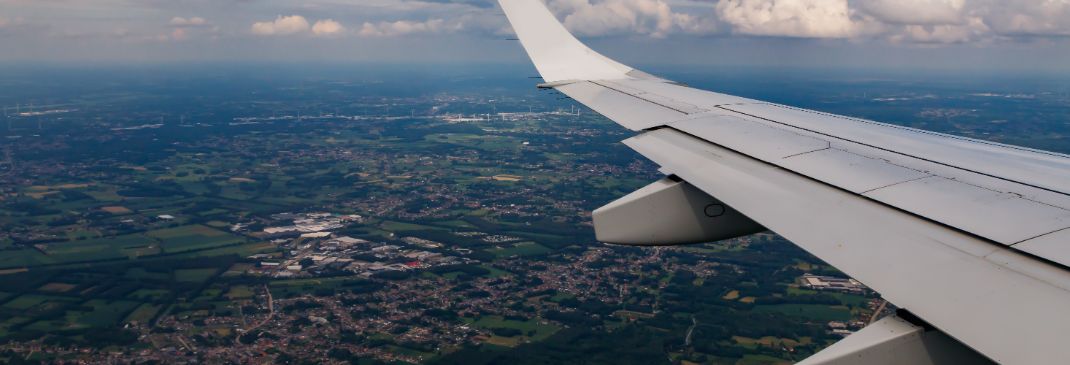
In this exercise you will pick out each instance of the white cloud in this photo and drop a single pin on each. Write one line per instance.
(188, 22)
(282, 25)
(327, 27)
(655, 18)
(297, 24)
(974, 30)
(788, 18)
(916, 12)
(902, 21)
(403, 27)
(1030, 17)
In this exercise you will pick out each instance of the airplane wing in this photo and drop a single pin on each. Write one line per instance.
(971, 238)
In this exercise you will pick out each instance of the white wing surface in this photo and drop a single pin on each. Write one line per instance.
(969, 235)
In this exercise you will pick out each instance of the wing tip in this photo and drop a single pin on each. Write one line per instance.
(555, 51)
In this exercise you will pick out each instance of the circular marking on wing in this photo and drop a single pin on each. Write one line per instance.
(715, 210)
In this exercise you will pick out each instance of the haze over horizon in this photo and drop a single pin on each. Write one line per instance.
(979, 35)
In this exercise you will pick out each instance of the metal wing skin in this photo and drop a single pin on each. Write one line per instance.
(971, 236)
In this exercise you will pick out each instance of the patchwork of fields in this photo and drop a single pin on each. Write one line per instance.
(152, 243)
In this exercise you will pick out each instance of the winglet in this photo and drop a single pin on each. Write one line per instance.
(557, 54)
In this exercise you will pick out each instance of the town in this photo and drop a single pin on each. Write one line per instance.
(367, 237)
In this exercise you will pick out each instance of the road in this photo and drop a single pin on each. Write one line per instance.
(876, 313)
(690, 331)
(271, 314)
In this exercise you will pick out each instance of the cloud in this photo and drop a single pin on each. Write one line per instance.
(937, 34)
(968, 21)
(788, 18)
(282, 25)
(297, 24)
(188, 22)
(179, 34)
(327, 27)
(11, 23)
(655, 18)
(1030, 18)
(216, 25)
(901, 21)
(403, 27)
(182, 29)
(915, 12)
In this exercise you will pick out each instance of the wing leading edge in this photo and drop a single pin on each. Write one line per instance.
(972, 236)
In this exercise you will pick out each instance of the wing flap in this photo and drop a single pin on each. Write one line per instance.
(1054, 246)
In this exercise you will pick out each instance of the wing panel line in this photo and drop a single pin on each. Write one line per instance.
(905, 154)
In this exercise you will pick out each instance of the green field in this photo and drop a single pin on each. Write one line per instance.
(143, 313)
(195, 237)
(815, 312)
(92, 313)
(77, 251)
(239, 250)
(33, 301)
(532, 329)
(402, 350)
(104, 313)
(456, 224)
(240, 292)
(851, 300)
(488, 143)
(195, 275)
(495, 272)
(287, 288)
(141, 273)
(401, 226)
(750, 359)
(164, 241)
(148, 294)
(520, 249)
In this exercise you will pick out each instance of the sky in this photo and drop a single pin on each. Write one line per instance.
(983, 35)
